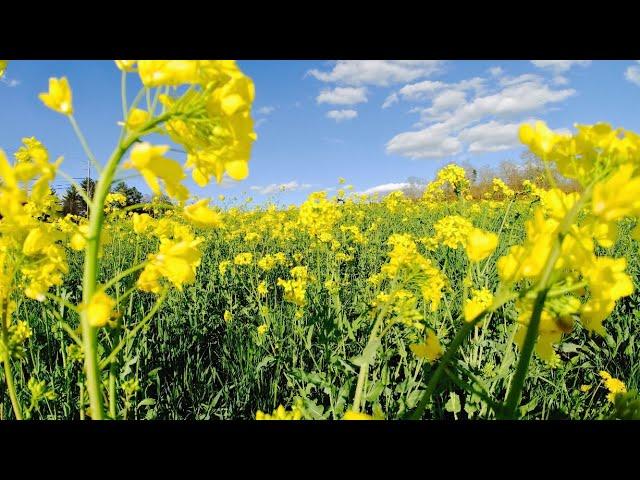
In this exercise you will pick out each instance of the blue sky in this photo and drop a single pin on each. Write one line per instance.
(375, 123)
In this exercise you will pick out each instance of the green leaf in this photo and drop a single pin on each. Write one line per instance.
(368, 355)
(147, 402)
(453, 404)
(264, 362)
(375, 391)
(309, 337)
(569, 348)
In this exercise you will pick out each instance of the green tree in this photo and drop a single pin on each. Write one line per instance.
(72, 202)
(134, 196)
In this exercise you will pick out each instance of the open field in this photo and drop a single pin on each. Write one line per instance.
(510, 301)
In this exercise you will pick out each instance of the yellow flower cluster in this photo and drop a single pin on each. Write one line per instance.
(281, 413)
(318, 215)
(211, 121)
(614, 385)
(295, 289)
(408, 266)
(270, 261)
(177, 258)
(31, 237)
(558, 253)
(501, 189)
(480, 300)
(455, 231)
(583, 155)
(452, 175)
(430, 349)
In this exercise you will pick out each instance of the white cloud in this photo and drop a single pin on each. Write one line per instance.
(266, 110)
(443, 103)
(340, 115)
(432, 142)
(455, 117)
(343, 96)
(560, 66)
(496, 71)
(427, 89)
(390, 100)
(377, 72)
(491, 137)
(527, 77)
(259, 122)
(420, 90)
(632, 74)
(387, 187)
(560, 80)
(514, 99)
(291, 186)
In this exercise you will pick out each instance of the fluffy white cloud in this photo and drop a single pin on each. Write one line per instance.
(512, 100)
(432, 142)
(377, 72)
(491, 137)
(496, 71)
(475, 124)
(443, 103)
(385, 188)
(560, 66)
(341, 115)
(428, 89)
(291, 186)
(633, 74)
(420, 90)
(343, 96)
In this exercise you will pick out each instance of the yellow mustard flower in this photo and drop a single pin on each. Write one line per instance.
(126, 65)
(480, 244)
(100, 309)
(200, 214)
(430, 349)
(58, 97)
(614, 385)
(150, 161)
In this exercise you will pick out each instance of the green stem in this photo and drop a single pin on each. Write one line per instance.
(123, 94)
(91, 266)
(460, 337)
(123, 274)
(112, 391)
(6, 359)
(79, 188)
(362, 376)
(62, 301)
(83, 142)
(542, 288)
(471, 389)
(364, 367)
(515, 390)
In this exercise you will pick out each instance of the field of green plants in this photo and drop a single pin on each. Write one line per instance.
(203, 357)
(519, 303)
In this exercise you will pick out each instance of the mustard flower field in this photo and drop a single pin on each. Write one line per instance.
(520, 303)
